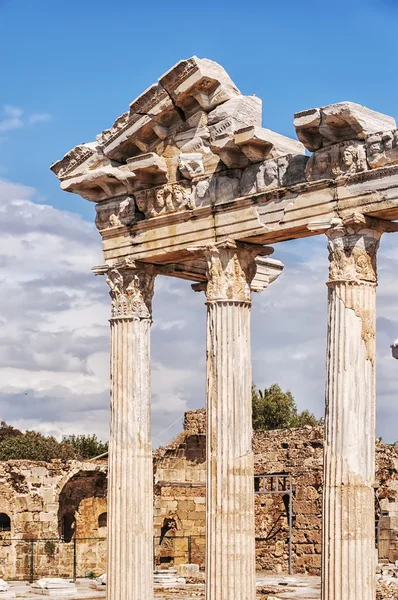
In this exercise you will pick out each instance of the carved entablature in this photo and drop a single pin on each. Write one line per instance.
(338, 160)
(382, 149)
(318, 128)
(162, 200)
(336, 134)
(117, 212)
(193, 129)
(192, 141)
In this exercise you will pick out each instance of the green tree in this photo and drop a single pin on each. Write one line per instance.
(275, 409)
(87, 446)
(32, 445)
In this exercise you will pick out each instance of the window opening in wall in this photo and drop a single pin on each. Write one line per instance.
(102, 520)
(5, 522)
(68, 527)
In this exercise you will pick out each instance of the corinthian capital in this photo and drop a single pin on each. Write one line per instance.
(131, 291)
(230, 268)
(353, 246)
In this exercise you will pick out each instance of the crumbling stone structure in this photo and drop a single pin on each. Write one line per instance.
(187, 183)
(41, 503)
(179, 470)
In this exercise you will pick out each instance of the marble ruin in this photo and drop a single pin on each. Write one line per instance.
(187, 183)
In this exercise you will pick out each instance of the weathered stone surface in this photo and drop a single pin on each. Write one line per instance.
(382, 149)
(339, 160)
(258, 144)
(198, 81)
(320, 127)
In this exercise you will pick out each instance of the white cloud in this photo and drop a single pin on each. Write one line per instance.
(39, 118)
(11, 118)
(54, 338)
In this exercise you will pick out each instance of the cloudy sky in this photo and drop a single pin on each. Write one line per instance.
(65, 78)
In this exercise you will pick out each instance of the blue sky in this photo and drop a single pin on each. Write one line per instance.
(67, 71)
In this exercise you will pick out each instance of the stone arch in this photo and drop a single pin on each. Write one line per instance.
(80, 500)
(5, 522)
(102, 520)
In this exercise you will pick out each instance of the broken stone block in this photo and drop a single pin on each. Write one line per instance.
(292, 169)
(382, 149)
(344, 121)
(198, 82)
(191, 165)
(148, 168)
(188, 570)
(258, 144)
(259, 178)
(239, 112)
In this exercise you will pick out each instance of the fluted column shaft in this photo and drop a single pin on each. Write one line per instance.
(130, 485)
(348, 545)
(230, 535)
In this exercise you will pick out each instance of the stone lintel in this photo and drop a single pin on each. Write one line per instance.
(272, 216)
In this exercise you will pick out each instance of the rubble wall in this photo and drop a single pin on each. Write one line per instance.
(35, 496)
(298, 452)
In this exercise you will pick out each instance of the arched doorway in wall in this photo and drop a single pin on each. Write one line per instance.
(80, 503)
(5, 522)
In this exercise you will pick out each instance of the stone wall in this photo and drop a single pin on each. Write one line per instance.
(180, 491)
(38, 498)
(43, 499)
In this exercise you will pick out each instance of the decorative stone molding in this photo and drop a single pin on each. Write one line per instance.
(352, 250)
(320, 127)
(230, 269)
(154, 202)
(117, 212)
(339, 160)
(382, 149)
(131, 291)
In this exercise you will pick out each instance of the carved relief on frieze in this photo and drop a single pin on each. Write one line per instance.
(131, 291)
(382, 149)
(191, 165)
(338, 160)
(117, 212)
(167, 199)
(352, 253)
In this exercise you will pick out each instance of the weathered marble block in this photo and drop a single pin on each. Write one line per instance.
(319, 127)
(382, 149)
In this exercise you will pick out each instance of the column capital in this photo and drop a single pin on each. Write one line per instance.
(131, 290)
(230, 269)
(353, 245)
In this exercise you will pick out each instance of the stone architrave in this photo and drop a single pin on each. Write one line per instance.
(130, 486)
(348, 546)
(230, 548)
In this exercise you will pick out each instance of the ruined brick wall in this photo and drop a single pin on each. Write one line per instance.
(298, 452)
(179, 503)
(34, 496)
(195, 421)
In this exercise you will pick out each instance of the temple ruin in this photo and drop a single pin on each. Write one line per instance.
(187, 183)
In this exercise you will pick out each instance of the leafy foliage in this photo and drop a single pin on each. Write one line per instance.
(276, 409)
(32, 445)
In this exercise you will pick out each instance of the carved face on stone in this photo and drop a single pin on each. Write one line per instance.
(349, 157)
(322, 162)
(159, 200)
(179, 196)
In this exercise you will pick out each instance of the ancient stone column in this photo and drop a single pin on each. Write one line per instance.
(348, 546)
(130, 485)
(230, 544)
